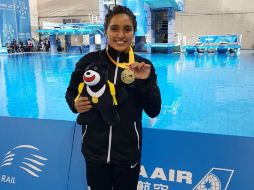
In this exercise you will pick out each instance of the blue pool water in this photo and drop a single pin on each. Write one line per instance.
(205, 93)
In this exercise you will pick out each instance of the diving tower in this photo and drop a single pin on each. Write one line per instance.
(156, 24)
(91, 34)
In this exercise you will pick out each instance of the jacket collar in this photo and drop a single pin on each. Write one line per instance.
(124, 57)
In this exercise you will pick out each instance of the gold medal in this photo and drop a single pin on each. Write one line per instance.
(127, 76)
(95, 99)
(96, 95)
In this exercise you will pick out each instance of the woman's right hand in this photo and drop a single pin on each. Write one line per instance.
(83, 104)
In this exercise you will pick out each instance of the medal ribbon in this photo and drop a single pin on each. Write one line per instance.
(123, 65)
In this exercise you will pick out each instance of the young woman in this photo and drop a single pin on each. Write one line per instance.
(113, 153)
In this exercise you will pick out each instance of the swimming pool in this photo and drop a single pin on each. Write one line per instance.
(200, 93)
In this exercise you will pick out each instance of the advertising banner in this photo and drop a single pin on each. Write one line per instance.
(77, 176)
(35, 154)
(23, 19)
(8, 25)
(38, 154)
(218, 38)
(14, 21)
(174, 160)
(195, 161)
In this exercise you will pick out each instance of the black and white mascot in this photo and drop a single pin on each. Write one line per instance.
(103, 94)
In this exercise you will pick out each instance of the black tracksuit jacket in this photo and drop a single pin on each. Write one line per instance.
(121, 143)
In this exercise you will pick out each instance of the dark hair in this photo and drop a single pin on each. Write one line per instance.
(118, 9)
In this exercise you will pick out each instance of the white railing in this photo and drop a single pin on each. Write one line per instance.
(92, 18)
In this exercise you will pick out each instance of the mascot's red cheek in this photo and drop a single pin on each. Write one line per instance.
(89, 79)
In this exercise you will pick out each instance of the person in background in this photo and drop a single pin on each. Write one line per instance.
(58, 44)
(21, 46)
(113, 153)
(14, 46)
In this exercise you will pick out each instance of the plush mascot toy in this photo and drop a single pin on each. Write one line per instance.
(103, 94)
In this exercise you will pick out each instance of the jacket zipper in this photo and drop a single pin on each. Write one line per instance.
(109, 144)
(110, 129)
(135, 126)
(84, 134)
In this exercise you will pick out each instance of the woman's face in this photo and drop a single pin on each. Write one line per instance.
(120, 32)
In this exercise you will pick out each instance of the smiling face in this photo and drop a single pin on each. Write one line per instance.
(120, 32)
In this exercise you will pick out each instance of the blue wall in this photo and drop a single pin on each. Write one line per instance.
(14, 20)
(137, 7)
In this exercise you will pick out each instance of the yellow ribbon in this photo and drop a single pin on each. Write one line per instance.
(80, 89)
(123, 65)
(112, 92)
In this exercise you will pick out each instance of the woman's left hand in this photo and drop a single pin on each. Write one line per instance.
(141, 70)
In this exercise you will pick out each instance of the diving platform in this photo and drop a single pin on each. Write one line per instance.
(90, 36)
(73, 29)
(177, 5)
